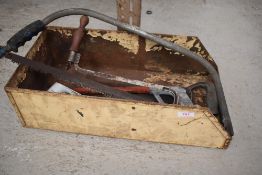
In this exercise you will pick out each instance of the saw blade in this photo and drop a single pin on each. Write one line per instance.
(74, 78)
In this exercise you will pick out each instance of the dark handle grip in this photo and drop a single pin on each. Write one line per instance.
(24, 35)
(79, 34)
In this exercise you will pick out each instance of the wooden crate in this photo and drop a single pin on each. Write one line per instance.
(123, 54)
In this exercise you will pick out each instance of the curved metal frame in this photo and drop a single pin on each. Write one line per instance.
(136, 30)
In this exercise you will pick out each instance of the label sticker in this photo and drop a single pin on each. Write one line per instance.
(185, 114)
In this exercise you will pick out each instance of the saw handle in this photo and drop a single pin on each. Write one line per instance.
(24, 35)
(79, 34)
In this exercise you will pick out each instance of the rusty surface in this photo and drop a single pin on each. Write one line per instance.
(119, 53)
(116, 49)
(129, 11)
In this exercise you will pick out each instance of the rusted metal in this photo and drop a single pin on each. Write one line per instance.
(73, 78)
(145, 66)
(129, 11)
(211, 98)
(178, 93)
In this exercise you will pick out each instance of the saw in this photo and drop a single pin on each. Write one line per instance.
(73, 78)
(35, 27)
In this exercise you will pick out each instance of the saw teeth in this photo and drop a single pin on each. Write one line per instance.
(36, 66)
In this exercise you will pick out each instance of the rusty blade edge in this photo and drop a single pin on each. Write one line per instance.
(65, 76)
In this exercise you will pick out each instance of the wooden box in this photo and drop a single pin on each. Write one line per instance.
(124, 54)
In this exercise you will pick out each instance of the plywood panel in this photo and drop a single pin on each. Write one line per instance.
(119, 118)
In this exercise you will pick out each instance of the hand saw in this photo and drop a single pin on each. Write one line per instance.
(35, 27)
(72, 78)
(179, 94)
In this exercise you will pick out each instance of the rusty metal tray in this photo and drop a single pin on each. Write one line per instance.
(124, 54)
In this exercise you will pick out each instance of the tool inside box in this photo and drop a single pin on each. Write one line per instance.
(118, 53)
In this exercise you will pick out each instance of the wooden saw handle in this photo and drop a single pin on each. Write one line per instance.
(79, 34)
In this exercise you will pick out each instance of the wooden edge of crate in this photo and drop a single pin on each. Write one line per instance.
(52, 126)
(16, 108)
